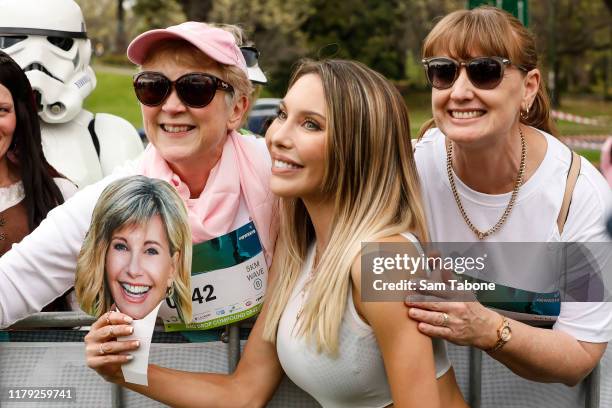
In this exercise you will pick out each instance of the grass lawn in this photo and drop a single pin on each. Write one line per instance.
(114, 94)
(590, 108)
(594, 156)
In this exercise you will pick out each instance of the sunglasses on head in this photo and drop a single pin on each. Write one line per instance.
(251, 55)
(483, 72)
(195, 89)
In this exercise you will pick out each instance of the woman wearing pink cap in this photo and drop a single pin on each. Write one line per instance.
(193, 89)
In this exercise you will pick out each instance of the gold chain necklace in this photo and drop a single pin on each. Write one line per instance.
(519, 180)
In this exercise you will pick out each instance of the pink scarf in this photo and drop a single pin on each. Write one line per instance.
(244, 167)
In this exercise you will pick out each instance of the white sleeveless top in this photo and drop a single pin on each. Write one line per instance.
(356, 377)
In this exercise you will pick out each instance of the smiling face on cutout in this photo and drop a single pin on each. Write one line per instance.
(139, 267)
(297, 140)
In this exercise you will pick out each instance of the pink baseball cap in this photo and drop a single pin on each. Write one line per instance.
(218, 44)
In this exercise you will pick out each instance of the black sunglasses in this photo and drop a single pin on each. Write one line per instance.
(251, 55)
(483, 72)
(195, 89)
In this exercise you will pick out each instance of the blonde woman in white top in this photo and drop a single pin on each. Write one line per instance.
(343, 167)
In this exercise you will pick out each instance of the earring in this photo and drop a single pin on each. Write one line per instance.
(170, 291)
(525, 113)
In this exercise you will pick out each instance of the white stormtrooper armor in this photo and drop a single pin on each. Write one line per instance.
(47, 38)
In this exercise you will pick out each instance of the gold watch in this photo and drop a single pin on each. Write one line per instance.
(504, 334)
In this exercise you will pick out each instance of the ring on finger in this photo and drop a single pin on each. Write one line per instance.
(444, 320)
(111, 331)
(101, 350)
(108, 318)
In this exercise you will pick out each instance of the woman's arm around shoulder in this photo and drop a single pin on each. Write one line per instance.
(407, 354)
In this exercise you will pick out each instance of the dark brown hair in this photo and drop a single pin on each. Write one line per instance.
(41, 192)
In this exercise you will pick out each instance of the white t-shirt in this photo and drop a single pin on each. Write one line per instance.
(532, 219)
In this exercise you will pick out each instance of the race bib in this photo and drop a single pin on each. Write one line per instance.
(228, 281)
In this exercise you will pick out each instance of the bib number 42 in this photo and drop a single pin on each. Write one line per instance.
(200, 296)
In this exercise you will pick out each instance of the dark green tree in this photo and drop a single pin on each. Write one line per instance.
(575, 38)
(120, 40)
(196, 10)
(370, 31)
(156, 13)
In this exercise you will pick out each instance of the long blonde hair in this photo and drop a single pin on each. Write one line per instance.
(492, 32)
(371, 179)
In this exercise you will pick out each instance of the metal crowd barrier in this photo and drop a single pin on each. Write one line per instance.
(231, 337)
(592, 382)
(44, 320)
(79, 319)
(54, 319)
(66, 320)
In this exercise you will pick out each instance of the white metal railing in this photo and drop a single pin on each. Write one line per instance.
(231, 337)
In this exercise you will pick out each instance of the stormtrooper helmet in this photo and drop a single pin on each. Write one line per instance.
(47, 38)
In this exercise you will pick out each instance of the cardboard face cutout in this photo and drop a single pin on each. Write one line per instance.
(139, 267)
(136, 253)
